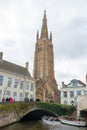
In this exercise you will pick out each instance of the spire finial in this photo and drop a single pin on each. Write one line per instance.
(51, 36)
(37, 36)
(44, 30)
(44, 12)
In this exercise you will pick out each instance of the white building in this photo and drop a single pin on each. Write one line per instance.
(15, 81)
(70, 92)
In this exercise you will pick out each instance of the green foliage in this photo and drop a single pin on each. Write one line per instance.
(15, 106)
(57, 108)
(23, 107)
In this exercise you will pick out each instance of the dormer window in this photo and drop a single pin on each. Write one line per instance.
(74, 83)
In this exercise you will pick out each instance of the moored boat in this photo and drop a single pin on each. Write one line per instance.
(50, 120)
(74, 122)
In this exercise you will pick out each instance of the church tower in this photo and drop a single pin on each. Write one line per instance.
(46, 86)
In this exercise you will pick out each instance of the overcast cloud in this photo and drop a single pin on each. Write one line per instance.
(67, 19)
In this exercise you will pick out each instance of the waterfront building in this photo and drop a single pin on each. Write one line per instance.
(15, 81)
(46, 85)
(70, 92)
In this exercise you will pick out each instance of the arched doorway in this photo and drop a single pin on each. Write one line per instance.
(40, 94)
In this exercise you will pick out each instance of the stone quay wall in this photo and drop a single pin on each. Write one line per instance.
(13, 112)
(9, 118)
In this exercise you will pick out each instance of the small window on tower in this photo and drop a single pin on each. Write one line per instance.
(39, 49)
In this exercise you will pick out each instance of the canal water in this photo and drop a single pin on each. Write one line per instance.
(39, 125)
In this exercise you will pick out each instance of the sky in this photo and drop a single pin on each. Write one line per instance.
(67, 19)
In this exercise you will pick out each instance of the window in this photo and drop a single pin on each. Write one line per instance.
(14, 94)
(65, 102)
(71, 93)
(78, 92)
(9, 82)
(27, 85)
(21, 85)
(0, 93)
(15, 83)
(65, 94)
(21, 96)
(31, 88)
(39, 49)
(1, 80)
(8, 94)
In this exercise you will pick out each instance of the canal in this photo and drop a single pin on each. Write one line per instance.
(39, 125)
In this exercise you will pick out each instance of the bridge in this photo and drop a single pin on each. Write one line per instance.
(36, 114)
(22, 111)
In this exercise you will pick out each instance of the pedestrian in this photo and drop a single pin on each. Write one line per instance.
(3, 99)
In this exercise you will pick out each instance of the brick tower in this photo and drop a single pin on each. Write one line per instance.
(46, 86)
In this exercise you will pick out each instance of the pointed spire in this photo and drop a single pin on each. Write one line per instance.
(37, 36)
(44, 30)
(50, 36)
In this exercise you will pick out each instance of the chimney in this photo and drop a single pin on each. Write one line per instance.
(27, 64)
(63, 85)
(1, 55)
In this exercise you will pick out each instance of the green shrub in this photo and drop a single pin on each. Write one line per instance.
(57, 108)
(25, 106)
(15, 106)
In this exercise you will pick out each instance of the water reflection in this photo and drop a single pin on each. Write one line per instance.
(31, 125)
(39, 125)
